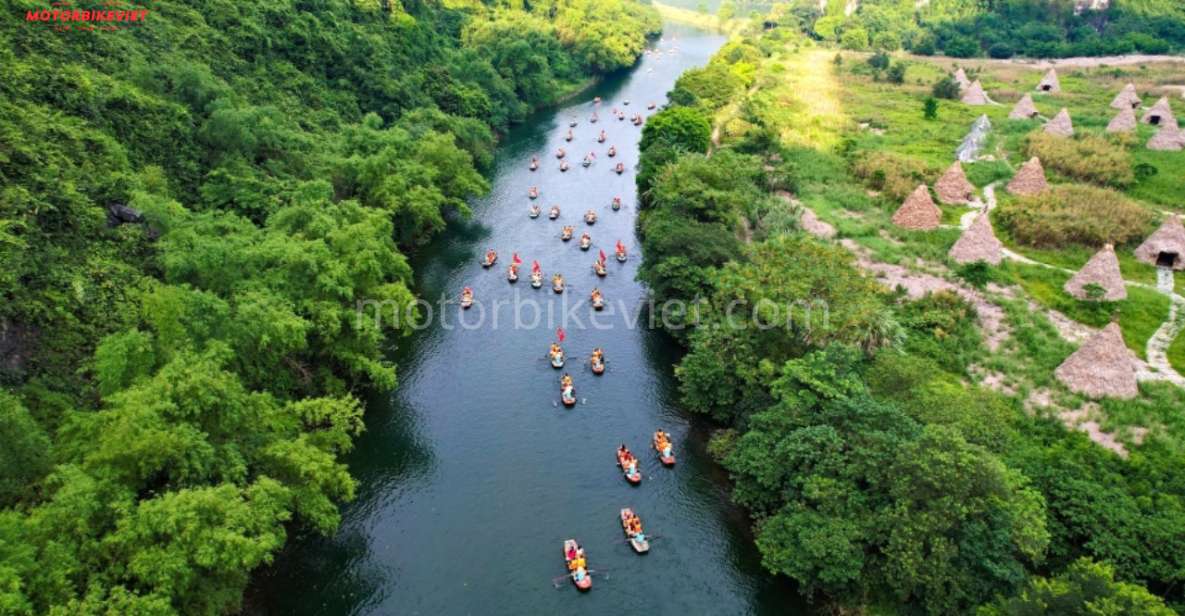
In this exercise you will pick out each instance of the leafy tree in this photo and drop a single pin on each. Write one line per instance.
(930, 108)
(1084, 588)
(682, 128)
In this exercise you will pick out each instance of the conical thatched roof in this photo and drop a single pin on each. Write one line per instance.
(1024, 109)
(1167, 243)
(1049, 83)
(961, 78)
(1061, 125)
(1160, 113)
(953, 186)
(1127, 98)
(1123, 122)
(978, 243)
(1168, 139)
(918, 212)
(1101, 367)
(974, 95)
(1103, 270)
(1029, 180)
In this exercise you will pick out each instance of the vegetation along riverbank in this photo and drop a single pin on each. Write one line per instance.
(191, 209)
(990, 417)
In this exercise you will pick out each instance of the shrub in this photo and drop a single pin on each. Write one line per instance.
(879, 60)
(1000, 51)
(855, 39)
(893, 174)
(896, 73)
(930, 108)
(1086, 157)
(1075, 214)
(946, 88)
(962, 47)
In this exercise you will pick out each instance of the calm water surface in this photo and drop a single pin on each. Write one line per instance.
(471, 475)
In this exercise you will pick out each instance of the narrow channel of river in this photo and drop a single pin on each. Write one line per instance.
(471, 474)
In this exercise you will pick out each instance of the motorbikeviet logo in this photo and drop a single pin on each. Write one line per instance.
(107, 16)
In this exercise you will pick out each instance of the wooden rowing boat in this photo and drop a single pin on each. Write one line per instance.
(666, 460)
(640, 546)
(634, 479)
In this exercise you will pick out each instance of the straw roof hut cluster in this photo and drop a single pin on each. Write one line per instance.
(978, 243)
(974, 94)
(1166, 246)
(1029, 180)
(1102, 270)
(1049, 83)
(1061, 125)
(953, 187)
(918, 213)
(1102, 367)
(1024, 109)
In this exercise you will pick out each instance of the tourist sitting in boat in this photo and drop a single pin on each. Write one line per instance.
(554, 212)
(566, 232)
(534, 211)
(637, 120)
(491, 256)
(533, 192)
(587, 160)
(625, 102)
(650, 105)
(566, 380)
(557, 355)
(601, 137)
(620, 251)
(593, 119)
(512, 272)
(597, 361)
(572, 123)
(598, 301)
(620, 168)
(466, 297)
(585, 241)
(536, 275)
(534, 163)
(590, 217)
(662, 444)
(557, 283)
(599, 268)
(560, 153)
(568, 137)
(563, 165)
(616, 203)
(612, 151)
(596, 100)
(567, 392)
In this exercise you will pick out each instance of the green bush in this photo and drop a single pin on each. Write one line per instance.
(895, 175)
(1075, 215)
(946, 88)
(1086, 157)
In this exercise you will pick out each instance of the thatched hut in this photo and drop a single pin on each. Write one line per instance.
(1166, 246)
(1123, 122)
(1025, 109)
(1103, 270)
(918, 212)
(1160, 113)
(1127, 98)
(1102, 367)
(1168, 138)
(961, 79)
(1049, 83)
(1029, 180)
(953, 186)
(978, 243)
(974, 94)
(1061, 125)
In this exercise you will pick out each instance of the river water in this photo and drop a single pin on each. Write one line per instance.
(470, 473)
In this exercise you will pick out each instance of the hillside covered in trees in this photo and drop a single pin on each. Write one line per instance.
(891, 412)
(190, 208)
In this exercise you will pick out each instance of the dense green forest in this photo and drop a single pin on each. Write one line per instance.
(997, 29)
(878, 473)
(190, 209)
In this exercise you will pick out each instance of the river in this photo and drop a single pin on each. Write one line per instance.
(470, 473)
